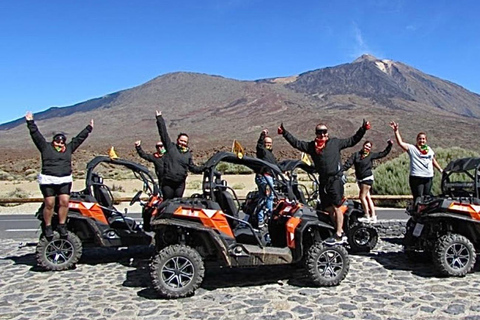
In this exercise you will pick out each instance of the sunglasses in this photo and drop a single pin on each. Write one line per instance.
(59, 140)
(321, 131)
(159, 146)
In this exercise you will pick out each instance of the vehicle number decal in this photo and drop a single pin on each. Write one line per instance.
(418, 230)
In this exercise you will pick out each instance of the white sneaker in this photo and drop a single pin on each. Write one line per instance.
(364, 219)
(374, 219)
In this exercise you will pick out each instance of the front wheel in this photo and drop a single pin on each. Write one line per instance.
(177, 271)
(362, 238)
(327, 265)
(59, 253)
(454, 255)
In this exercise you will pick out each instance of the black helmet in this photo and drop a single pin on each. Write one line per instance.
(59, 137)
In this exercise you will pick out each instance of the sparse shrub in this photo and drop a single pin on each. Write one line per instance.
(117, 188)
(18, 193)
(30, 171)
(5, 176)
(195, 184)
(238, 186)
(230, 168)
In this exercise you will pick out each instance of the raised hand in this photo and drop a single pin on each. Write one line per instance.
(281, 129)
(29, 116)
(91, 123)
(366, 124)
(138, 142)
(394, 125)
(158, 113)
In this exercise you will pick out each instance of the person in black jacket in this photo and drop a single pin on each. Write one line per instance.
(156, 158)
(55, 178)
(325, 153)
(362, 160)
(264, 179)
(177, 161)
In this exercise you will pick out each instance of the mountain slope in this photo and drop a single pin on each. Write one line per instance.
(214, 110)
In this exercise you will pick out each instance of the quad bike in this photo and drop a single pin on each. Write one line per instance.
(93, 221)
(446, 228)
(210, 229)
(362, 237)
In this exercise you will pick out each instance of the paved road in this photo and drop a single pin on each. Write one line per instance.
(110, 284)
(22, 226)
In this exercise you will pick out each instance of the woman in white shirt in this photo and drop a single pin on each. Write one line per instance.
(422, 161)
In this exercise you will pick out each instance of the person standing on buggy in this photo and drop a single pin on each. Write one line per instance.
(325, 153)
(363, 161)
(177, 161)
(156, 158)
(422, 161)
(264, 179)
(55, 178)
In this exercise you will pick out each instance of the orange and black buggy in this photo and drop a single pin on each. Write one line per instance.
(362, 237)
(446, 228)
(211, 229)
(93, 220)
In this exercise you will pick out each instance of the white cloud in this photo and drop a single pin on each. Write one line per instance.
(360, 45)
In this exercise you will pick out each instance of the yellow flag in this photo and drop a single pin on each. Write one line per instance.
(305, 158)
(112, 154)
(238, 149)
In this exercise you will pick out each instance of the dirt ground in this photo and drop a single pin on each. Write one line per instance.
(242, 184)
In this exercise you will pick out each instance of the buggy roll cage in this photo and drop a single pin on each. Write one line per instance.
(211, 177)
(462, 166)
(141, 172)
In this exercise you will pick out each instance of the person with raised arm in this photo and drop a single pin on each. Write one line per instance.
(55, 178)
(422, 162)
(177, 161)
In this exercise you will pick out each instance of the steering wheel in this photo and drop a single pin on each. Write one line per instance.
(136, 197)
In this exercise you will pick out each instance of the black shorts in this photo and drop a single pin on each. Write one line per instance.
(331, 192)
(51, 190)
(367, 182)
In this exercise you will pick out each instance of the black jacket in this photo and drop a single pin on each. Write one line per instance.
(263, 153)
(328, 162)
(54, 163)
(363, 167)
(156, 159)
(176, 163)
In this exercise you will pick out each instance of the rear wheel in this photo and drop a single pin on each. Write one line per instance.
(362, 238)
(327, 265)
(58, 253)
(177, 271)
(454, 255)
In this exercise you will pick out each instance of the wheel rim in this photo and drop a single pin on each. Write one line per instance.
(178, 272)
(59, 251)
(330, 264)
(361, 236)
(457, 256)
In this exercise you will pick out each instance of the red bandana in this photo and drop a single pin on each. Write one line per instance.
(423, 149)
(320, 145)
(60, 149)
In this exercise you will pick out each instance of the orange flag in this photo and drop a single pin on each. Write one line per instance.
(112, 154)
(238, 149)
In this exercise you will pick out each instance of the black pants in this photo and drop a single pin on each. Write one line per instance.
(420, 186)
(172, 189)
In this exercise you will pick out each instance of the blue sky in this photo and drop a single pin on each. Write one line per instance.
(58, 53)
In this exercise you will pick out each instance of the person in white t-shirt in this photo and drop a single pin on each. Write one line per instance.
(422, 161)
